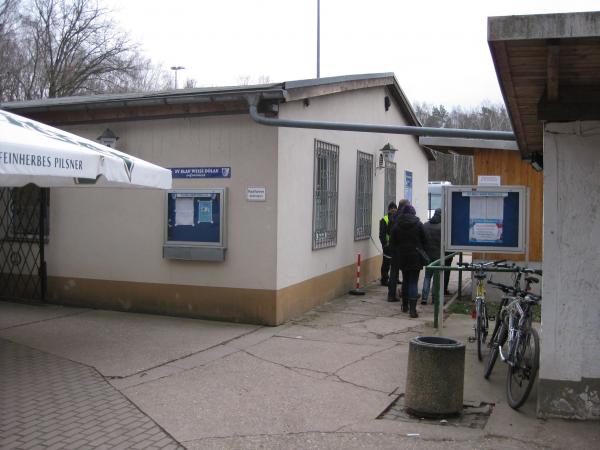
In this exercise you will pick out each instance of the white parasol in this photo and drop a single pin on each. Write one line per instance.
(31, 152)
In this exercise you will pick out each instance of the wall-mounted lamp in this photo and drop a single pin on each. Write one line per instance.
(386, 154)
(537, 161)
(108, 138)
(389, 152)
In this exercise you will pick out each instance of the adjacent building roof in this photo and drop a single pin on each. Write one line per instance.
(548, 67)
(462, 146)
(286, 91)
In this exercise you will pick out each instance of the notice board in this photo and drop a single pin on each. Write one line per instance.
(195, 224)
(486, 219)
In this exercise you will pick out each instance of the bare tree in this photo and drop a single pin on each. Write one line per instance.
(73, 47)
(9, 50)
(243, 80)
(487, 116)
(55, 48)
(458, 169)
(191, 83)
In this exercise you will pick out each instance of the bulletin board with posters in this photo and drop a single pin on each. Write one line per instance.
(195, 224)
(490, 219)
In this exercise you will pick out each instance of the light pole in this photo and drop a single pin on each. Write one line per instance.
(318, 38)
(176, 68)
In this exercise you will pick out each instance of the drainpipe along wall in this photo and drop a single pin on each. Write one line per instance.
(253, 102)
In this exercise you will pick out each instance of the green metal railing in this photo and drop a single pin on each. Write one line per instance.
(437, 268)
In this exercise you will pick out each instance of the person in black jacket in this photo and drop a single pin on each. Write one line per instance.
(433, 229)
(385, 226)
(408, 241)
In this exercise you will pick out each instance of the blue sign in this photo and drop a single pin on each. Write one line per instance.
(201, 172)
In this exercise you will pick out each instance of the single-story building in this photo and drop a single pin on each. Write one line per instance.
(548, 69)
(263, 223)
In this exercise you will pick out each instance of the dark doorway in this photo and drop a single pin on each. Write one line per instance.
(23, 232)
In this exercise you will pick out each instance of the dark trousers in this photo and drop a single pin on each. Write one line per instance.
(410, 281)
(385, 268)
(410, 284)
(448, 262)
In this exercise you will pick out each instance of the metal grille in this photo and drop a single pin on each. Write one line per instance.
(23, 230)
(390, 185)
(364, 196)
(325, 199)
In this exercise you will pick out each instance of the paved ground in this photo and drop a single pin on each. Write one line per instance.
(78, 378)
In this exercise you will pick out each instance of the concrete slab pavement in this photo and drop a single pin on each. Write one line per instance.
(116, 344)
(319, 381)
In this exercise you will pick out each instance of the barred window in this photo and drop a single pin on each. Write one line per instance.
(325, 195)
(22, 207)
(390, 185)
(364, 196)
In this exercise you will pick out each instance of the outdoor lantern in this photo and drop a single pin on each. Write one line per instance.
(108, 138)
(388, 152)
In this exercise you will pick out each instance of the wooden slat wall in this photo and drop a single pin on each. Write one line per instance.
(515, 172)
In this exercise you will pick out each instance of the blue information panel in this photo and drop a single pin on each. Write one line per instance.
(486, 219)
(201, 172)
(195, 217)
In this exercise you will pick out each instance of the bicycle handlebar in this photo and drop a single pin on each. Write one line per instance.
(501, 264)
(484, 264)
(518, 292)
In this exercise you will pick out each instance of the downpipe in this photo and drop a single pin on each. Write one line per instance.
(253, 101)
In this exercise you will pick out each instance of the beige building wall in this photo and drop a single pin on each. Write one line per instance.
(117, 234)
(105, 246)
(296, 261)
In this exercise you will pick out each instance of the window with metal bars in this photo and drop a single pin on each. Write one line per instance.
(23, 205)
(390, 185)
(364, 196)
(325, 195)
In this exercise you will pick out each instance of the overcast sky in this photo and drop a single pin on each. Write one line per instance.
(437, 49)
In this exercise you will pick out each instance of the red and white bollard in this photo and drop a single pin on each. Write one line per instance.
(358, 290)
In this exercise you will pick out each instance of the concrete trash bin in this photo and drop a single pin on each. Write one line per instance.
(435, 377)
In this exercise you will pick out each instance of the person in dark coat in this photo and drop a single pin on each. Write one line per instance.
(385, 226)
(433, 229)
(408, 241)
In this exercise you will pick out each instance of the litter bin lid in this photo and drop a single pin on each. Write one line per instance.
(437, 341)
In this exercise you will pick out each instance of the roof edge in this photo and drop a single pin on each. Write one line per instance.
(544, 26)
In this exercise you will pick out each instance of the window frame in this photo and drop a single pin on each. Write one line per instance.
(363, 202)
(325, 194)
(24, 216)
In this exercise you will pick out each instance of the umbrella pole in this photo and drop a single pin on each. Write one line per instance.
(44, 192)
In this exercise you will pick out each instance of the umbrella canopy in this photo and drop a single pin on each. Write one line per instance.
(31, 152)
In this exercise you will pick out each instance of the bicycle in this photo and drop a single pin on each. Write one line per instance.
(480, 314)
(498, 336)
(523, 344)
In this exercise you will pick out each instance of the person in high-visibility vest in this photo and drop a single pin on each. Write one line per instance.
(385, 226)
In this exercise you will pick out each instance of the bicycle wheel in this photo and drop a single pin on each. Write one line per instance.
(482, 326)
(498, 341)
(521, 377)
(479, 335)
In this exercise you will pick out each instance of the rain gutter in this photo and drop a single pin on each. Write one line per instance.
(254, 100)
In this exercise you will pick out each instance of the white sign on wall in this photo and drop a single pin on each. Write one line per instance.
(488, 180)
(256, 194)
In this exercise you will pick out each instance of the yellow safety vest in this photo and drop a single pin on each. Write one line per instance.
(386, 219)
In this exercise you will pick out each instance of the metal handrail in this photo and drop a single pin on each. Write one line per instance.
(437, 268)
